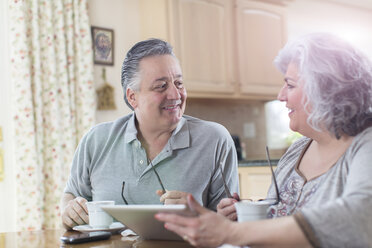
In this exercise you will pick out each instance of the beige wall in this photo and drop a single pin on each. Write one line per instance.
(234, 115)
(351, 23)
(123, 17)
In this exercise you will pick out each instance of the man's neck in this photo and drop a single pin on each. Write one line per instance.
(153, 139)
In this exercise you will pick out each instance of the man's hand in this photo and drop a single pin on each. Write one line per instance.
(226, 207)
(74, 211)
(172, 197)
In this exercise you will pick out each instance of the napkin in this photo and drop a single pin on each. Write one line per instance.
(231, 246)
(128, 232)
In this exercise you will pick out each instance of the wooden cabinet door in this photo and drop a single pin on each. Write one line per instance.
(201, 32)
(261, 33)
(254, 182)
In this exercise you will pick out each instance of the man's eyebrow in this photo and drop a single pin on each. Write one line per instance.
(161, 79)
(178, 76)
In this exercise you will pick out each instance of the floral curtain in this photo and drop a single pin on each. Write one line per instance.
(54, 97)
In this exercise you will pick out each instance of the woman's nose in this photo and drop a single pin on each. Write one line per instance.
(282, 95)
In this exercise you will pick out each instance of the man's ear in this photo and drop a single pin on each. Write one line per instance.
(131, 96)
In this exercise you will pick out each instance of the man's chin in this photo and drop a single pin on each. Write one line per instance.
(174, 119)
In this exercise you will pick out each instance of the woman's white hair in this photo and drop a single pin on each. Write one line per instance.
(337, 82)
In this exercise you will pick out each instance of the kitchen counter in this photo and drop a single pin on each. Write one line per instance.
(255, 163)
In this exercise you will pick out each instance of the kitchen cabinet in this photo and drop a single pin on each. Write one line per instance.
(202, 35)
(254, 182)
(261, 33)
(225, 47)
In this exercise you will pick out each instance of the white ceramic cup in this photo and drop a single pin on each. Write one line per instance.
(252, 210)
(97, 217)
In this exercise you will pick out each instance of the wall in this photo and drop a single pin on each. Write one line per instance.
(123, 17)
(234, 115)
(351, 23)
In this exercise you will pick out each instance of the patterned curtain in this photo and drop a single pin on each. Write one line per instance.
(54, 97)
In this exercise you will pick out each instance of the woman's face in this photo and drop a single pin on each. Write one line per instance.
(292, 93)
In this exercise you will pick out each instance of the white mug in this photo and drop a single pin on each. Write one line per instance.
(252, 210)
(97, 217)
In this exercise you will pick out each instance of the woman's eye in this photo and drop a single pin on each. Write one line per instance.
(290, 84)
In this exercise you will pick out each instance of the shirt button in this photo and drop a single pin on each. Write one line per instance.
(141, 161)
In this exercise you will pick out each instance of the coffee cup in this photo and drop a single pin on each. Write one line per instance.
(97, 217)
(248, 210)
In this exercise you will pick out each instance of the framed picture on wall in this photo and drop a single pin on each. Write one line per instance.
(103, 45)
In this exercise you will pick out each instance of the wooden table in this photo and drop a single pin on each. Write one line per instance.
(51, 238)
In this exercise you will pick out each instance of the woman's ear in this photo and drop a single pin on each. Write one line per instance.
(131, 96)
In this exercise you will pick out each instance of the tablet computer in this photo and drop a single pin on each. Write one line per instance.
(140, 219)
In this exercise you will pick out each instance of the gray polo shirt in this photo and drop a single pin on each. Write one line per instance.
(110, 153)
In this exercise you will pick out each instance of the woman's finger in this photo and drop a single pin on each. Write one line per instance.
(232, 216)
(236, 196)
(226, 202)
(227, 210)
(173, 218)
(195, 206)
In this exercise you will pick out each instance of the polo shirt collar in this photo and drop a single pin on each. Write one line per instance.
(131, 130)
(180, 137)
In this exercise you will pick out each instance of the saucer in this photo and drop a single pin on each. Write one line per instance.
(116, 226)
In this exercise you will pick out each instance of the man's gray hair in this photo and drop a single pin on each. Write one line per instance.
(337, 82)
(130, 70)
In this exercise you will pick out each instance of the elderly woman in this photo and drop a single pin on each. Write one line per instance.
(324, 178)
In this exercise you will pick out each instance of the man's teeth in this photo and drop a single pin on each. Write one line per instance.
(290, 110)
(170, 107)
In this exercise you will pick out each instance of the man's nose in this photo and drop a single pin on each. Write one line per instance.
(173, 92)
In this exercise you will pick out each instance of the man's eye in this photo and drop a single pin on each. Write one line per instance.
(179, 84)
(161, 86)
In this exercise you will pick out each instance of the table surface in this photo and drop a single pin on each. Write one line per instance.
(51, 238)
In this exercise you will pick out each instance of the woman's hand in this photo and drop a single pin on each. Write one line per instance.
(226, 207)
(172, 197)
(208, 229)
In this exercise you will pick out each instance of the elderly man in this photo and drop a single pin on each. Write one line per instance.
(156, 151)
